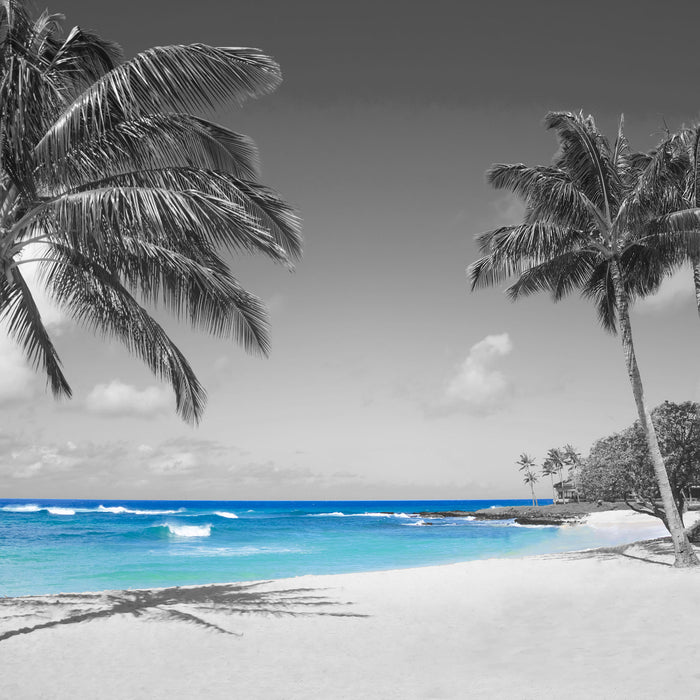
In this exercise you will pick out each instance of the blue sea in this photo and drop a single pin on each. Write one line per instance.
(51, 546)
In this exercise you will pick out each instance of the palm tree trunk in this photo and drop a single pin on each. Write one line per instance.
(554, 495)
(532, 490)
(696, 279)
(561, 483)
(685, 555)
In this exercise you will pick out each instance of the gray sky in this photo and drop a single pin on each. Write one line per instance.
(387, 379)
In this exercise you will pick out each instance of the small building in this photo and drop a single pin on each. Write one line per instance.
(566, 491)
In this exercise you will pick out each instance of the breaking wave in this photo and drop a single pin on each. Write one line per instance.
(189, 530)
(28, 508)
(225, 514)
(131, 511)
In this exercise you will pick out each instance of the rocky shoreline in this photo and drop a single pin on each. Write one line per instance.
(559, 514)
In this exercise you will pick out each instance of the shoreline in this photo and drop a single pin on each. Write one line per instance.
(550, 514)
(494, 627)
(554, 515)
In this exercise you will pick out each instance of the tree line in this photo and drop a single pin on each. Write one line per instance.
(619, 467)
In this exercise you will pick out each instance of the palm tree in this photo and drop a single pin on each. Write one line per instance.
(573, 459)
(549, 469)
(531, 479)
(125, 198)
(675, 178)
(555, 456)
(581, 231)
(526, 464)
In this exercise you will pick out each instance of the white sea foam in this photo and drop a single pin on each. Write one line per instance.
(189, 530)
(55, 510)
(27, 508)
(121, 509)
(417, 523)
(225, 514)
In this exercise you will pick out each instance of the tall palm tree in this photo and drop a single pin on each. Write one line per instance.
(581, 231)
(526, 463)
(125, 198)
(549, 469)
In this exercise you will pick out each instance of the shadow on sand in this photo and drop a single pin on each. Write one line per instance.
(185, 604)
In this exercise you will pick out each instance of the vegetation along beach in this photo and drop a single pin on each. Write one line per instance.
(270, 425)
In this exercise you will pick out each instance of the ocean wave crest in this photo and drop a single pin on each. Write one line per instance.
(189, 530)
(225, 514)
(27, 508)
(55, 510)
(121, 509)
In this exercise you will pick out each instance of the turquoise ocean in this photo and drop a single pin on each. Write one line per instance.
(52, 546)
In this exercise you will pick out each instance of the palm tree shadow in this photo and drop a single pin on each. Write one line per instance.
(189, 605)
(658, 551)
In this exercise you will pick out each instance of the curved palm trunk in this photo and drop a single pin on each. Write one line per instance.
(696, 279)
(685, 555)
(554, 495)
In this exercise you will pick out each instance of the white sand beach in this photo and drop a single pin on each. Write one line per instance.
(616, 623)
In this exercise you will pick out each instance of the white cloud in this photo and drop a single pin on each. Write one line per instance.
(119, 399)
(16, 377)
(478, 387)
(675, 291)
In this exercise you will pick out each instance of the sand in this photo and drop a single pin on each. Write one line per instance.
(617, 623)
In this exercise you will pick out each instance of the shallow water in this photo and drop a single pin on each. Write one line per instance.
(51, 546)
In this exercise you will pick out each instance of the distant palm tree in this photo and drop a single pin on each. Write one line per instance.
(573, 459)
(531, 479)
(126, 199)
(582, 229)
(557, 459)
(526, 464)
(549, 469)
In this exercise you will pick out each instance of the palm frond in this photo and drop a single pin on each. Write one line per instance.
(261, 204)
(95, 220)
(585, 156)
(549, 193)
(162, 79)
(559, 275)
(152, 142)
(203, 293)
(82, 57)
(600, 289)
(95, 298)
(21, 314)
